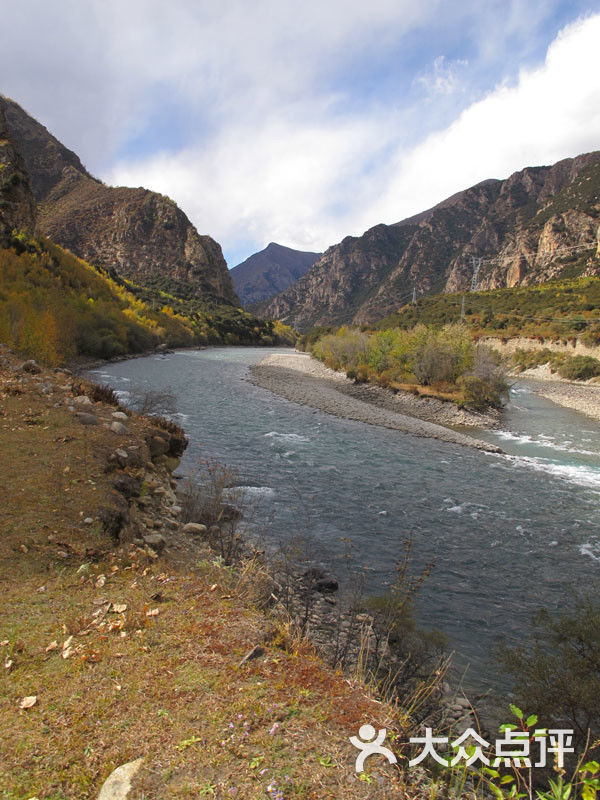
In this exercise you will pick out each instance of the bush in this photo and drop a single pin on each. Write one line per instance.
(485, 386)
(579, 368)
(558, 673)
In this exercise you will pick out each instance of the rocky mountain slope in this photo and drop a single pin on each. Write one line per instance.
(17, 205)
(536, 225)
(265, 274)
(139, 233)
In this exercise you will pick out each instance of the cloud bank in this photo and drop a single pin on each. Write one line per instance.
(302, 123)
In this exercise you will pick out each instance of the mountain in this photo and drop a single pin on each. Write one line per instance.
(269, 272)
(538, 224)
(17, 204)
(140, 234)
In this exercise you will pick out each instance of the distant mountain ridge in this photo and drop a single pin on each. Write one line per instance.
(529, 228)
(265, 274)
(139, 233)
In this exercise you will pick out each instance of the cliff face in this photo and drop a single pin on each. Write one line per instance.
(139, 233)
(269, 272)
(17, 204)
(528, 228)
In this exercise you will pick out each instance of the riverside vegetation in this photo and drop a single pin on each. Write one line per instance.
(443, 362)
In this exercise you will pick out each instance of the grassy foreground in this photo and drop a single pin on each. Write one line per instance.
(122, 654)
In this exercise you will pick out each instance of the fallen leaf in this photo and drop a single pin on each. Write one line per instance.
(213, 587)
(117, 687)
(52, 646)
(119, 608)
(100, 581)
(28, 702)
(23, 548)
(8, 663)
(67, 653)
(153, 612)
(4, 642)
(67, 643)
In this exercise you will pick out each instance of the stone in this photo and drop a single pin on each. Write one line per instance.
(88, 521)
(120, 416)
(156, 541)
(256, 652)
(82, 400)
(118, 784)
(128, 485)
(87, 419)
(118, 427)
(119, 456)
(176, 510)
(318, 580)
(31, 366)
(195, 528)
(157, 445)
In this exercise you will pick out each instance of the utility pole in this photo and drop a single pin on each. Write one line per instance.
(476, 264)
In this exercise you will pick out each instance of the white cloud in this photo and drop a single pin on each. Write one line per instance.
(443, 77)
(552, 113)
(273, 116)
(307, 179)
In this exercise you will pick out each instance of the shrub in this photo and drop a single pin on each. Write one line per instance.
(558, 672)
(579, 368)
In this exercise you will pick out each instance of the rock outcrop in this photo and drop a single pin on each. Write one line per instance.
(265, 274)
(139, 233)
(538, 224)
(17, 204)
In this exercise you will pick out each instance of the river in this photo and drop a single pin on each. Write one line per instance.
(507, 534)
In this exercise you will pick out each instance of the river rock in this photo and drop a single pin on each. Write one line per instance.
(118, 427)
(120, 416)
(118, 784)
(156, 541)
(195, 528)
(119, 456)
(82, 400)
(87, 419)
(157, 445)
(31, 366)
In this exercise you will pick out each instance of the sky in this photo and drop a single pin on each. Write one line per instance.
(305, 122)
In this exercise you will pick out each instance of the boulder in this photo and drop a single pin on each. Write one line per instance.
(118, 783)
(120, 416)
(118, 427)
(195, 528)
(31, 366)
(320, 581)
(87, 419)
(128, 485)
(156, 541)
(82, 400)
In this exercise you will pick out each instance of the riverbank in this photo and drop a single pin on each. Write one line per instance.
(128, 639)
(582, 397)
(301, 379)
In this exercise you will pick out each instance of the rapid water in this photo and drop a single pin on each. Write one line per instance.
(507, 533)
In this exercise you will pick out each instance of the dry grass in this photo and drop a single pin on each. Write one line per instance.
(165, 685)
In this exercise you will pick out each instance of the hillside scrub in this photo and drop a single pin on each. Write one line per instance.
(445, 359)
(561, 310)
(574, 368)
(54, 307)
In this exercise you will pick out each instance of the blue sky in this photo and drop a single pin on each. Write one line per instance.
(302, 123)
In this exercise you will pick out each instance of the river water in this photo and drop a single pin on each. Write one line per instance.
(507, 534)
